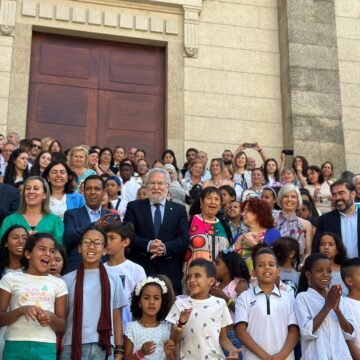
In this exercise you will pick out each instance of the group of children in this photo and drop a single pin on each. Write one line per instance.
(113, 311)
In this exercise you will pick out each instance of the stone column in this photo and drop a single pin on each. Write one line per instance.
(310, 84)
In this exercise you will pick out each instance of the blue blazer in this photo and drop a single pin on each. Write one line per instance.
(76, 222)
(174, 233)
(74, 201)
(9, 200)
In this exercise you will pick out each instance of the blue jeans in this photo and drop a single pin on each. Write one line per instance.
(235, 341)
(90, 351)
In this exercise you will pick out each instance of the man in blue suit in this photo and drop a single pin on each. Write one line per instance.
(76, 221)
(344, 221)
(9, 200)
(161, 230)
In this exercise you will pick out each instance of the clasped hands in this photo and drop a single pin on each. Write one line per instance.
(157, 248)
(34, 313)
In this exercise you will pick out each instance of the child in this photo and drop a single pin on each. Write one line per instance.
(350, 273)
(233, 278)
(113, 187)
(287, 252)
(120, 236)
(334, 249)
(59, 262)
(12, 248)
(36, 302)
(228, 195)
(201, 320)
(141, 193)
(325, 323)
(265, 321)
(148, 336)
(93, 323)
(234, 218)
(269, 195)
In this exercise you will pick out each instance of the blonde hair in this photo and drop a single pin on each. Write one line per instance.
(45, 204)
(46, 140)
(76, 149)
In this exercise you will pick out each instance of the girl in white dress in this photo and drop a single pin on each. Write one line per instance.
(148, 336)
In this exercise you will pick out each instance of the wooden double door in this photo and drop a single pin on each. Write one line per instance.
(97, 92)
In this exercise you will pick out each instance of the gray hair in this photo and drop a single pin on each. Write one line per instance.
(157, 171)
(357, 176)
(286, 189)
(45, 205)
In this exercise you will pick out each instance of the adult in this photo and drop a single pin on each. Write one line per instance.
(217, 174)
(288, 176)
(61, 183)
(195, 169)
(17, 168)
(161, 230)
(7, 150)
(319, 189)
(35, 149)
(344, 221)
(77, 159)
(356, 183)
(300, 165)
(257, 216)
(271, 172)
(46, 141)
(131, 153)
(327, 170)
(13, 137)
(169, 157)
(41, 162)
(55, 147)
(77, 221)
(242, 177)
(118, 155)
(202, 155)
(139, 155)
(10, 199)
(176, 191)
(251, 163)
(208, 233)
(2, 140)
(227, 157)
(289, 224)
(142, 168)
(106, 161)
(190, 156)
(34, 211)
(257, 183)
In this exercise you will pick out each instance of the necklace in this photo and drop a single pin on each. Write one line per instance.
(217, 183)
(148, 325)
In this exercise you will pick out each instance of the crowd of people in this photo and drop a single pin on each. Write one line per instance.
(105, 256)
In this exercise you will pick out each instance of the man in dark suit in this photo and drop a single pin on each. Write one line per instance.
(345, 220)
(161, 230)
(9, 201)
(77, 221)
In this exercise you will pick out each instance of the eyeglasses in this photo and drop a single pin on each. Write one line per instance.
(36, 146)
(96, 243)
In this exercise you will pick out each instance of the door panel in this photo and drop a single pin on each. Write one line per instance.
(97, 92)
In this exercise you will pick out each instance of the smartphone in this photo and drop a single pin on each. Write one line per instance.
(288, 152)
(249, 145)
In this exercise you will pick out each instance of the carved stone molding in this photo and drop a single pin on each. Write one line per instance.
(191, 36)
(7, 17)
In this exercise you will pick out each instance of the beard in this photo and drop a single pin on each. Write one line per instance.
(344, 205)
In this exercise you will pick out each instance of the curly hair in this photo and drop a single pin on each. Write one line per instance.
(305, 164)
(262, 211)
(341, 255)
(165, 303)
(235, 264)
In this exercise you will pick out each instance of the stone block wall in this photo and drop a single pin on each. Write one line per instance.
(348, 40)
(232, 89)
